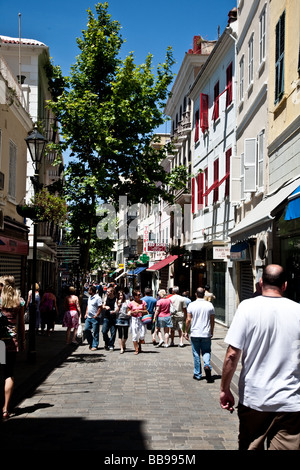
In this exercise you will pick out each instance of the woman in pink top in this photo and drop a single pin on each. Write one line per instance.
(137, 308)
(72, 314)
(163, 315)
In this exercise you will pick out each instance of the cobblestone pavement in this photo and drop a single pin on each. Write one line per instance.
(110, 401)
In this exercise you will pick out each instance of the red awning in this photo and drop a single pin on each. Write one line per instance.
(161, 264)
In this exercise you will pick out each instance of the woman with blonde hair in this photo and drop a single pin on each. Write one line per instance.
(72, 314)
(13, 335)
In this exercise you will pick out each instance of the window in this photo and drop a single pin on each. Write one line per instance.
(200, 190)
(229, 84)
(216, 101)
(242, 67)
(250, 60)
(203, 112)
(227, 172)
(262, 36)
(216, 181)
(197, 126)
(206, 185)
(12, 170)
(279, 58)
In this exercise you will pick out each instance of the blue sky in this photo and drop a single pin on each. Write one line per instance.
(149, 26)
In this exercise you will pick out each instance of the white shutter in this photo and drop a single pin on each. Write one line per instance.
(260, 159)
(235, 177)
(250, 165)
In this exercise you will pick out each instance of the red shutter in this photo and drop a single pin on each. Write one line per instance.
(200, 190)
(216, 102)
(196, 126)
(227, 171)
(216, 180)
(203, 112)
(193, 196)
(229, 84)
(206, 186)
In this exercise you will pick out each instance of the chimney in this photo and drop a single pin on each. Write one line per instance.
(197, 45)
(232, 15)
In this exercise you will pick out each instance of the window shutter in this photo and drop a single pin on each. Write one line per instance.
(229, 84)
(197, 126)
(235, 179)
(279, 58)
(227, 171)
(250, 165)
(260, 159)
(193, 195)
(206, 186)
(216, 180)
(203, 112)
(216, 102)
(12, 170)
(200, 190)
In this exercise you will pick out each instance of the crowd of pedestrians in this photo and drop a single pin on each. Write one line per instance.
(265, 332)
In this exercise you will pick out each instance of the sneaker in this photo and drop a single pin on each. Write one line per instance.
(196, 378)
(166, 345)
(181, 345)
(160, 344)
(111, 348)
(154, 342)
(93, 349)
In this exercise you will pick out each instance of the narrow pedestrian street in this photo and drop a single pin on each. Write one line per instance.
(107, 401)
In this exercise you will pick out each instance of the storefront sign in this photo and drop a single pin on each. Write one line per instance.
(156, 246)
(221, 252)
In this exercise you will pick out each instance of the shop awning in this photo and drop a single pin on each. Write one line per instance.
(136, 271)
(239, 251)
(161, 264)
(120, 275)
(293, 208)
(263, 212)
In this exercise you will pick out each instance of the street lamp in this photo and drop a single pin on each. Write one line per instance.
(36, 143)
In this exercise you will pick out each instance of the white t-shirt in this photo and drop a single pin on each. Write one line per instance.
(94, 302)
(267, 330)
(201, 311)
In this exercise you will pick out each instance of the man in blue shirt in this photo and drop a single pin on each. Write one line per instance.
(151, 303)
(92, 318)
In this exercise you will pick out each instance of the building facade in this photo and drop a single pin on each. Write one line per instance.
(15, 123)
(29, 60)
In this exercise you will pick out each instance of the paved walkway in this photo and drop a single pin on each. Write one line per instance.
(73, 397)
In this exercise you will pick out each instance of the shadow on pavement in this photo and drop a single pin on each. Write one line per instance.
(70, 434)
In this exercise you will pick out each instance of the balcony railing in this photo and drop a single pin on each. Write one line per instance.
(12, 83)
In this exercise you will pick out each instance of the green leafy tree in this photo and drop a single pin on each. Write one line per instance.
(108, 111)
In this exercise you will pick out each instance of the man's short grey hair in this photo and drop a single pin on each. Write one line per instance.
(176, 290)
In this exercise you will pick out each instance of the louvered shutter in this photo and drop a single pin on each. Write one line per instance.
(229, 84)
(216, 180)
(204, 112)
(197, 126)
(250, 165)
(200, 190)
(193, 195)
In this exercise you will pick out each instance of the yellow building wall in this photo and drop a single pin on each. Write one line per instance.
(281, 115)
(12, 129)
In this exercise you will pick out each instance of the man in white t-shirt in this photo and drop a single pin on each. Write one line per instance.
(266, 331)
(200, 321)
